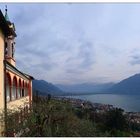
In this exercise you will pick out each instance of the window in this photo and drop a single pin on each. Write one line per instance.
(18, 92)
(26, 89)
(23, 86)
(23, 92)
(14, 87)
(19, 89)
(6, 49)
(8, 87)
(13, 50)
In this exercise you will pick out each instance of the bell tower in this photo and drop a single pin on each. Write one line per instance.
(10, 41)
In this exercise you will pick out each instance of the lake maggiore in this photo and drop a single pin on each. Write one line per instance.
(130, 103)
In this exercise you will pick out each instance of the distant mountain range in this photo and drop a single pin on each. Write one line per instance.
(85, 87)
(130, 85)
(43, 88)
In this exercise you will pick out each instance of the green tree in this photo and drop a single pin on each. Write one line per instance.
(115, 120)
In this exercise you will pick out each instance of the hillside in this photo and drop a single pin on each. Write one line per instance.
(130, 85)
(66, 118)
(45, 88)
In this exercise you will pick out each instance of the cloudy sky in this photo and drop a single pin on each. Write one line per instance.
(77, 43)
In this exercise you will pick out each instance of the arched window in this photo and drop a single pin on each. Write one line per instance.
(23, 89)
(8, 87)
(14, 87)
(19, 89)
(26, 89)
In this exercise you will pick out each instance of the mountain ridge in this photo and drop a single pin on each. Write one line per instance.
(84, 87)
(44, 88)
(130, 85)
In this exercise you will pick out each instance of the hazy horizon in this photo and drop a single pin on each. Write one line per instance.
(77, 43)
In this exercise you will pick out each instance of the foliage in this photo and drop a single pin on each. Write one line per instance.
(115, 120)
(134, 126)
(56, 118)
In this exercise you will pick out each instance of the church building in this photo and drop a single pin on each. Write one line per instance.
(15, 86)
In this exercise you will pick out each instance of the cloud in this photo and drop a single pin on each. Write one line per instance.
(82, 59)
(86, 53)
(135, 59)
(79, 42)
(73, 71)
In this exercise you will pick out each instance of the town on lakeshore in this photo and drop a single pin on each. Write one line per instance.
(99, 108)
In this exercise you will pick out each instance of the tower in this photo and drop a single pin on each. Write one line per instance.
(10, 41)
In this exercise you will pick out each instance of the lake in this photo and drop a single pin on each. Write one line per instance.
(126, 102)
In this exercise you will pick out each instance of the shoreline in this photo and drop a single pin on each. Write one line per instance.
(99, 107)
(93, 103)
(118, 101)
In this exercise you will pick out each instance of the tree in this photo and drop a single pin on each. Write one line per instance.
(115, 120)
(49, 97)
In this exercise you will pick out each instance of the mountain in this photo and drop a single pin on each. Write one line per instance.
(85, 87)
(45, 88)
(130, 85)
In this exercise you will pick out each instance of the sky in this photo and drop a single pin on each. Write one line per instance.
(77, 43)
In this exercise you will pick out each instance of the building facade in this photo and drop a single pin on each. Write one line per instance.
(15, 86)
